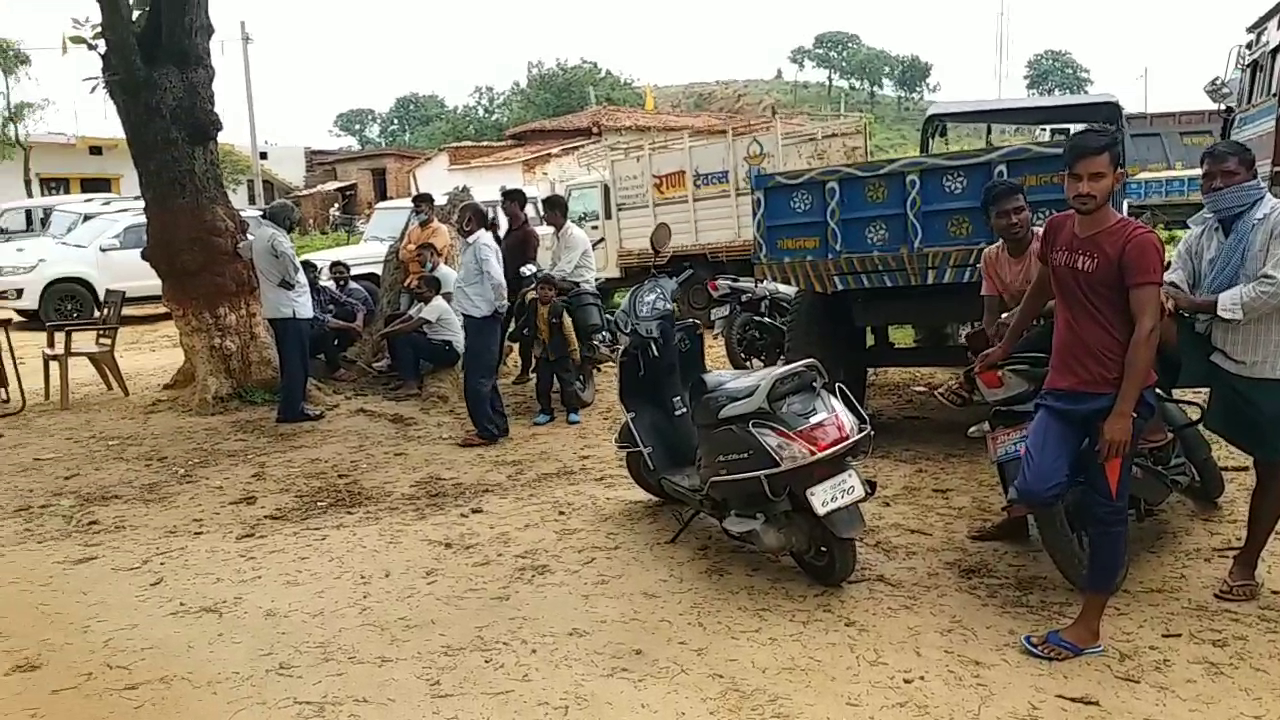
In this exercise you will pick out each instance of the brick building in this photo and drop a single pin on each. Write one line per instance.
(378, 174)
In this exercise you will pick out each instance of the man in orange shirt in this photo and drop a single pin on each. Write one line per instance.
(423, 228)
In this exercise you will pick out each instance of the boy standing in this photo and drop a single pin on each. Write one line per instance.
(555, 345)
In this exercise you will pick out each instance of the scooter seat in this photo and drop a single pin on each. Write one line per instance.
(712, 391)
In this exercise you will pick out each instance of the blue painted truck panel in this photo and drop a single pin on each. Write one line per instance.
(893, 223)
(1167, 187)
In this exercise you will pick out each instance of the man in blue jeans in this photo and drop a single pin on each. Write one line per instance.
(1105, 271)
(429, 333)
(480, 297)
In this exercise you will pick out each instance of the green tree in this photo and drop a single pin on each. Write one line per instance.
(18, 115)
(869, 70)
(912, 78)
(359, 124)
(158, 70)
(833, 52)
(234, 166)
(562, 88)
(1056, 72)
(410, 119)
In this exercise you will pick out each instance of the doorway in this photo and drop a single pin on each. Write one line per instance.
(379, 177)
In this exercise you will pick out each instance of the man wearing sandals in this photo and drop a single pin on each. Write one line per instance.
(1223, 291)
(1105, 271)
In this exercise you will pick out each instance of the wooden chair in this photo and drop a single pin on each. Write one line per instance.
(100, 352)
(7, 407)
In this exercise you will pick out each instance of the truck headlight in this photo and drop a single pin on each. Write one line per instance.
(11, 270)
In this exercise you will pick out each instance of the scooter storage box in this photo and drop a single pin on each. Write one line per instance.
(587, 310)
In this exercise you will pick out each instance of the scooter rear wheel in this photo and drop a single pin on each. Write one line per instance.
(829, 560)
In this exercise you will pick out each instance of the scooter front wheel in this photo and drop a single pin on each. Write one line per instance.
(828, 560)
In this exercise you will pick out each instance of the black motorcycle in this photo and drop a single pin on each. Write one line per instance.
(1185, 465)
(591, 324)
(752, 316)
(767, 453)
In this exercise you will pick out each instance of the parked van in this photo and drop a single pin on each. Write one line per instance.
(29, 216)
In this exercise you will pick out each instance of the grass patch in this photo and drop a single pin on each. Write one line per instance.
(256, 396)
(313, 242)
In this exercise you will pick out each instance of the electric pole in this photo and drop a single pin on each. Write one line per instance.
(1002, 48)
(1145, 71)
(253, 125)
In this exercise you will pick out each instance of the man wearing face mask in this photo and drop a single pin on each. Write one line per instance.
(423, 228)
(1222, 291)
(286, 304)
(340, 273)
(480, 297)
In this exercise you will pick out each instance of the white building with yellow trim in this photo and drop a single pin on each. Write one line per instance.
(65, 164)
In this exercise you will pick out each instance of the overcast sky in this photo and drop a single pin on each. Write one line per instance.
(313, 60)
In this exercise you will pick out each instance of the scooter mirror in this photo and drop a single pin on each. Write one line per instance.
(660, 238)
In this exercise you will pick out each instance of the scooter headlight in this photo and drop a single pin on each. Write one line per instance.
(650, 302)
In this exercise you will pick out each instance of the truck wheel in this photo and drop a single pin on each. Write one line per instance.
(66, 302)
(816, 328)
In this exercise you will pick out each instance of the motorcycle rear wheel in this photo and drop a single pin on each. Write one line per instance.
(828, 560)
(1208, 485)
(585, 384)
(733, 340)
(1062, 534)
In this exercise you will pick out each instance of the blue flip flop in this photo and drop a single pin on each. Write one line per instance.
(1055, 639)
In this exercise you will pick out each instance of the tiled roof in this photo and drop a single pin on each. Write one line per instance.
(523, 151)
(374, 152)
(598, 119)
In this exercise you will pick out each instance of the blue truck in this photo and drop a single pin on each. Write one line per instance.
(897, 242)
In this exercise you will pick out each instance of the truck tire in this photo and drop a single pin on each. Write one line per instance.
(816, 328)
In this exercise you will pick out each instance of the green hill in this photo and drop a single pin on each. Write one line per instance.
(895, 129)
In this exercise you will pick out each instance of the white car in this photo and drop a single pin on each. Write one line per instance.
(64, 279)
(386, 227)
(30, 216)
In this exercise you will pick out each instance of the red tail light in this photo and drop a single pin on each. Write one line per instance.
(991, 379)
(825, 434)
(713, 287)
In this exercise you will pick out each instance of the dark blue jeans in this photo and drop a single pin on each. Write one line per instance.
(410, 350)
(293, 348)
(1061, 445)
(480, 359)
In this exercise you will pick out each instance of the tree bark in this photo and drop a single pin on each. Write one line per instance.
(159, 74)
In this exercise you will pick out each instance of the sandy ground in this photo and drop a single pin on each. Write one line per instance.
(158, 565)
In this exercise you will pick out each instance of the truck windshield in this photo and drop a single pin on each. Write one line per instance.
(387, 224)
(91, 230)
(62, 222)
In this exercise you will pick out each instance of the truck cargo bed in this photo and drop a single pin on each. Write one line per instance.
(894, 223)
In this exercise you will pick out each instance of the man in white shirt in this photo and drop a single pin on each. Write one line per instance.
(480, 297)
(572, 259)
(286, 304)
(430, 332)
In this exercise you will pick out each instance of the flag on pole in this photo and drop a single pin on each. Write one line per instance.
(650, 103)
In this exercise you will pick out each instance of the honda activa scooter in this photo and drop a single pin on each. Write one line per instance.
(769, 454)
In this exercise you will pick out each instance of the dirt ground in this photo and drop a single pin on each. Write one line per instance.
(157, 564)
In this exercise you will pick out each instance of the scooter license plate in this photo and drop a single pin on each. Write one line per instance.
(840, 491)
(1006, 443)
(720, 312)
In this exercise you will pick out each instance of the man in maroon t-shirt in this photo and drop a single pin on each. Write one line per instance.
(1104, 271)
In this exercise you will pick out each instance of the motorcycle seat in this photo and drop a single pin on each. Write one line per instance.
(786, 291)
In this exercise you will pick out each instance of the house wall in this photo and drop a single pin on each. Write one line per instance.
(433, 176)
(399, 172)
(50, 160)
(287, 162)
(551, 173)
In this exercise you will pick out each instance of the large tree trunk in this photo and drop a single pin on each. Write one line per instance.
(26, 169)
(159, 74)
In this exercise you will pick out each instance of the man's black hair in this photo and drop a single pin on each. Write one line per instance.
(1225, 150)
(555, 204)
(476, 212)
(999, 190)
(424, 199)
(516, 196)
(431, 282)
(338, 264)
(309, 265)
(547, 280)
(1091, 142)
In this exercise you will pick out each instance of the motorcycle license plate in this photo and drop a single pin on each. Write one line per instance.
(1006, 443)
(840, 491)
(720, 312)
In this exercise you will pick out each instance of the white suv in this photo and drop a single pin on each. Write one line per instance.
(65, 280)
